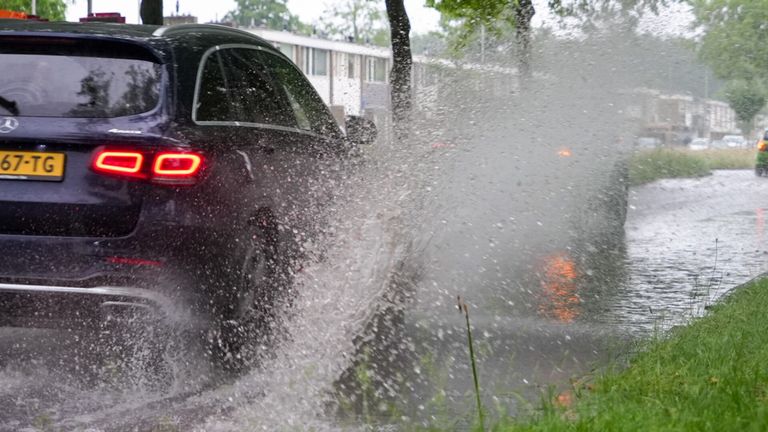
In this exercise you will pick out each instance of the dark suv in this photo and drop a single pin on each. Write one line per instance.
(162, 168)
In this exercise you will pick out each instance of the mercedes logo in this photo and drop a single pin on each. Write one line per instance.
(8, 124)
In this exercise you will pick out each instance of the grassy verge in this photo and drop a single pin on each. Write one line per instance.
(647, 166)
(709, 376)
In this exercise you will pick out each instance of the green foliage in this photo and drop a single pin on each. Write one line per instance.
(746, 98)
(477, 12)
(473, 361)
(734, 35)
(272, 14)
(53, 10)
(362, 20)
(733, 44)
(463, 18)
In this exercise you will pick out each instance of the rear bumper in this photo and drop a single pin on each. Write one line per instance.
(29, 305)
(181, 273)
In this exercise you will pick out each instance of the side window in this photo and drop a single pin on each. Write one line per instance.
(254, 95)
(212, 99)
(309, 109)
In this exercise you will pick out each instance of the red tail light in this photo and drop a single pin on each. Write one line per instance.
(119, 162)
(761, 145)
(177, 167)
(176, 164)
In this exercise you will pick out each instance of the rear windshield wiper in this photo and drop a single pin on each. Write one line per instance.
(9, 106)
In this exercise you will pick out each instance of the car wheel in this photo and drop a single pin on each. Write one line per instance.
(248, 323)
(759, 171)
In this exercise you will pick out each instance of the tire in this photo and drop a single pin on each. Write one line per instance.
(247, 325)
(759, 171)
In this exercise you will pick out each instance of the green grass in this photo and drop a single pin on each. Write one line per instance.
(729, 159)
(709, 376)
(647, 166)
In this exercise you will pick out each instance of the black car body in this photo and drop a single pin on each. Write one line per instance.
(166, 167)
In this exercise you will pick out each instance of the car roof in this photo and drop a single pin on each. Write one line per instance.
(148, 34)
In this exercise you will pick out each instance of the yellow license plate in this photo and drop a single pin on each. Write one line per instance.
(32, 165)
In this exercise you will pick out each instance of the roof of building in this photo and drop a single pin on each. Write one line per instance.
(315, 42)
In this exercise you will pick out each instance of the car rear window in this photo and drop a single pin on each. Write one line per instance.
(77, 82)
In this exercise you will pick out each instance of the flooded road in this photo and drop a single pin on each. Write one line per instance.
(690, 241)
(569, 309)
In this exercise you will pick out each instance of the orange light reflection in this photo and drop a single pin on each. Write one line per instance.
(560, 299)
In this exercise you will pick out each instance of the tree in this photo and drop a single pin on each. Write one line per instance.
(734, 35)
(272, 14)
(493, 16)
(746, 98)
(498, 16)
(733, 44)
(151, 12)
(402, 63)
(53, 10)
(362, 20)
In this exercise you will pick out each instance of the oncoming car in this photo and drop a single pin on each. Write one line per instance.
(162, 168)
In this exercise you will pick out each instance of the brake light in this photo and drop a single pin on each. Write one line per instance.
(176, 164)
(176, 167)
(119, 162)
(762, 145)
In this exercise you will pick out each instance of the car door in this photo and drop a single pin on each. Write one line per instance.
(241, 158)
(293, 147)
(311, 155)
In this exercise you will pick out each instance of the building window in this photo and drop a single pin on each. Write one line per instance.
(319, 62)
(287, 49)
(306, 60)
(377, 69)
(351, 66)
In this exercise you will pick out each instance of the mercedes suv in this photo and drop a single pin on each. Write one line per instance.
(161, 168)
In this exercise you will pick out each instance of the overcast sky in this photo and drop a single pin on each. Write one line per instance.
(423, 19)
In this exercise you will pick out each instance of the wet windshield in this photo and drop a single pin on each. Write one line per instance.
(9, 106)
(72, 86)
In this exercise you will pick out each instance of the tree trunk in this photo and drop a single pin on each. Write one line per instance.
(524, 12)
(402, 62)
(151, 12)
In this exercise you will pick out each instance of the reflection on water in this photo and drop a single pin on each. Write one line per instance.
(559, 297)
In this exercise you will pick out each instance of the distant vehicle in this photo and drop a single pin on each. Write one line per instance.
(155, 168)
(647, 143)
(699, 144)
(735, 141)
(761, 164)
